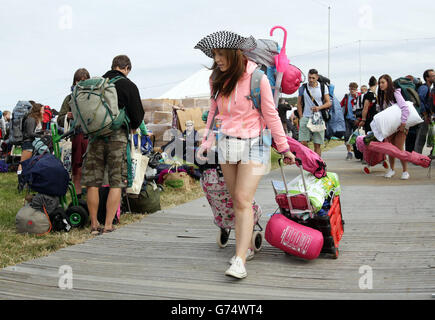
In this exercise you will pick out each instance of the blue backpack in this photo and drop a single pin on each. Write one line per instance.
(45, 174)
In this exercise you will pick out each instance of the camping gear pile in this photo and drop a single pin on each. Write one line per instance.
(310, 220)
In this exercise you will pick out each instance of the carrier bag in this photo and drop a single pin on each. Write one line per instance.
(293, 238)
(66, 149)
(139, 165)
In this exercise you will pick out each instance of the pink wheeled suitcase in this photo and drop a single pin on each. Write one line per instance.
(214, 187)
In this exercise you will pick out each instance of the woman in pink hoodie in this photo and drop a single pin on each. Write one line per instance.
(243, 153)
(387, 96)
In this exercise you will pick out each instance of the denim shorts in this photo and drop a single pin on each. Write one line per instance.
(233, 150)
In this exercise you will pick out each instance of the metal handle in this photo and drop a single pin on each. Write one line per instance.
(299, 164)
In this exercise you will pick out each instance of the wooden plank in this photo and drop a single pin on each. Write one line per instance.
(173, 254)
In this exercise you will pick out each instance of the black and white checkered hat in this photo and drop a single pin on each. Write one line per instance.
(225, 40)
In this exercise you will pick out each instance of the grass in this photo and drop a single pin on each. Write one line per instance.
(16, 248)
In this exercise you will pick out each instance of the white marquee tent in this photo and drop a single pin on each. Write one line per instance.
(195, 86)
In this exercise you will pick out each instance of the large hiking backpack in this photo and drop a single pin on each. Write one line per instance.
(408, 89)
(19, 114)
(94, 105)
(264, 56)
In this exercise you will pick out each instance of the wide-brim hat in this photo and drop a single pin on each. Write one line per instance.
(225, 40)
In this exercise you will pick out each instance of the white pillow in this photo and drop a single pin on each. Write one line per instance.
(386, 122)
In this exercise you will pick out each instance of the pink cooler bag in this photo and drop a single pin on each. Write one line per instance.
(293, 238)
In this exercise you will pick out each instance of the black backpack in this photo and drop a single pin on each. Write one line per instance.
(409, 89)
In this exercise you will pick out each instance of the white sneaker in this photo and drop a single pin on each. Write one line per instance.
(405, 175)
(237, 269)
(390, 174)
(249, 256)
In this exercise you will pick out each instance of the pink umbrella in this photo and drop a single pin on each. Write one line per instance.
(391, 150)
(281, 62)
(311, 161)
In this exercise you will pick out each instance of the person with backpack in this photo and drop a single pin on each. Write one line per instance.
(32, 129)
(425, 109)
(313, 97)
(79, 140)
(2, 128)
(388, 95)
(109, 152)
(349, 105)
(369, 106)
(243, 150)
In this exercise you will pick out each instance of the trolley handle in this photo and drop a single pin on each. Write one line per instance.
(299, 164)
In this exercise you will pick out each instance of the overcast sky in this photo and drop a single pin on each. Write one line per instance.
(44, 41)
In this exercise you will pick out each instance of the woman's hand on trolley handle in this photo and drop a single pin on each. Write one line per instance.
(289, 158)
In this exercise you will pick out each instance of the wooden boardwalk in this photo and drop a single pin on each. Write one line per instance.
(387, 252)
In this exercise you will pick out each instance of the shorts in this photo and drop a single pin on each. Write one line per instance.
(305, 134)
(27, 146)
(234, 149)
(79, 146)
(106, 153)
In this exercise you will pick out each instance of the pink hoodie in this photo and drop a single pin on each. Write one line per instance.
(239, 117)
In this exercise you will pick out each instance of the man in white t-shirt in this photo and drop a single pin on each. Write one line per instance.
(313, 97)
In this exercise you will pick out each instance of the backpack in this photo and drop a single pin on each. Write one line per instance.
(45, 174)
(336, 125)
(19, 115)
(264, 56)
(148, 200)
(94, 104)
(56, 214)
(409, 89)
(46, 118)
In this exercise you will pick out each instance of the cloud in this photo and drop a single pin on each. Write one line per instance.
(44, 42)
